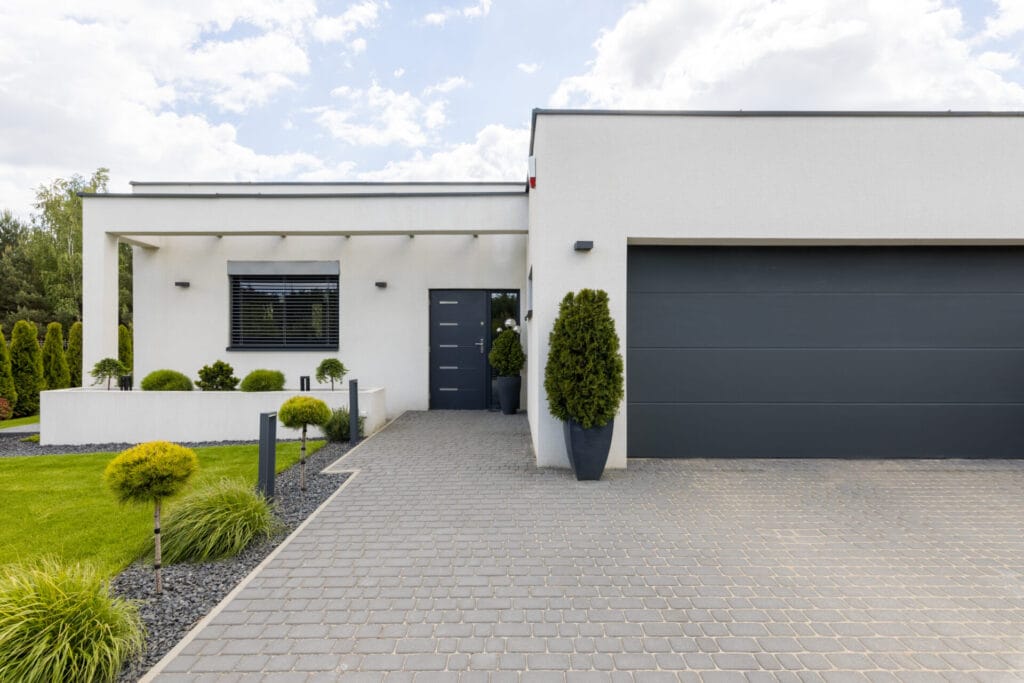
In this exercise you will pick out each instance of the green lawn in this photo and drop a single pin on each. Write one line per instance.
(59, 505)
(18, 421)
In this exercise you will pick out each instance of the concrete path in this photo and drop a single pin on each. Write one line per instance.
(21, 429)
(450, 556)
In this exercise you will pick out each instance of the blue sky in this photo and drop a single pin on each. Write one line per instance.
(390, 90)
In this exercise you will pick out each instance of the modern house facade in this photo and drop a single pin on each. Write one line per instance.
(785, 284)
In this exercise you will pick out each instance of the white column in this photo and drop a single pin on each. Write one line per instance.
(99, 291)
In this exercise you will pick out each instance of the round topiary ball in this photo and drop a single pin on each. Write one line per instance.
(150, 471)
(263, 380)
(166, 380)
(299, 411)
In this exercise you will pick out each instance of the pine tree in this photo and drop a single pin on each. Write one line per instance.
(26, 368)
(55, 365)
(124, 346)
(74, 354)
(6, 380)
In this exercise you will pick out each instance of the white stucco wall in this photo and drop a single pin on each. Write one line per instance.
(618, 180)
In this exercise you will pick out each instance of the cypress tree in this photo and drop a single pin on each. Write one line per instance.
(55, 365)
(26, 368)
(124, 346)
(74, 354)
(6, 379)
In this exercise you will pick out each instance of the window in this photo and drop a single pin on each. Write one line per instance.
(295, 308)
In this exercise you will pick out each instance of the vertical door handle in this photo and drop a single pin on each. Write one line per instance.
(480, 344)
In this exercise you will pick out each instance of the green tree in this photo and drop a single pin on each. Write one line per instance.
(74, 354)
(330, 369)
(55, 365)
(21, 287)
(7, 389)
(26, 368)
(124, 347)
(107, 369)
(302, 411)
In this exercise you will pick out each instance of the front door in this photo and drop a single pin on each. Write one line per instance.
(458, 362)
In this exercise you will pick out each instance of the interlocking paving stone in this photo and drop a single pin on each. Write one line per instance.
(450, 557)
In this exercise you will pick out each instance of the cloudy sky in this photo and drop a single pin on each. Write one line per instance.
(436, 89)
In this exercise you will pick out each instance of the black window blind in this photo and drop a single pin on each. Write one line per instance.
(284, 312)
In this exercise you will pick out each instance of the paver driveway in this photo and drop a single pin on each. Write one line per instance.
(450, 555)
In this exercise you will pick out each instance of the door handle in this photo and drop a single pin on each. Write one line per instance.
(480, 344)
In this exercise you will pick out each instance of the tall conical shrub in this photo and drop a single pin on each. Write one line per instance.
(7, 389)
(124, 347)
(74, 354)
(26, 368)
(55, 365)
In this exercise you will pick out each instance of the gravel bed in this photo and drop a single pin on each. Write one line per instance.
(192, 590)
(11, 445)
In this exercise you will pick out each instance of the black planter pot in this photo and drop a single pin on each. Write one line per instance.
(508, 394)
(587, 448)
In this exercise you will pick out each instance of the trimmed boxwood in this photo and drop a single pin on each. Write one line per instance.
(55, 365)
(166, 380)
(583, 376)
(506, 356)
(217, 377)
(74, 354)
(263, 380)
(26, 368)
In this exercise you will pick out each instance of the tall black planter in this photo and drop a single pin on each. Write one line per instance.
(587, 448)
(508, 394)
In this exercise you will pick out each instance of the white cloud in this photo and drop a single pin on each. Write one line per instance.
(480, 9)
(1008, 21)
(378, 116)
(399, 72)
(497, 153)
(530, 68)
(792, 54)
(447, 85)
(339, 28)
(357, 46)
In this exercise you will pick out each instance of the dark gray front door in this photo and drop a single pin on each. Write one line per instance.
(905, 352)
(458, 364)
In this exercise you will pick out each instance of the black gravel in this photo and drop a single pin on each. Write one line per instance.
(11, 445)
(192, 590)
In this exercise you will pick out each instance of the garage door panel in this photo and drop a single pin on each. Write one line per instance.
(826, 431)
(822, 269)
(811, 320)
(829, 376)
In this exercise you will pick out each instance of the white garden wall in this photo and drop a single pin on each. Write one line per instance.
(86, 416)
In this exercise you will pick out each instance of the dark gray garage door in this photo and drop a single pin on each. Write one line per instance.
(826, 352)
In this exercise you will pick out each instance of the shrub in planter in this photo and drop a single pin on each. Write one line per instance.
(263, 380)
(217, 377)
(583, 378)
(166, 380)
(74, 354)
(330, 369)
(26, 368)
(6, 411)
(507, 358)
(217, 521)
(59, 623)
(338, 427)
(302, 411)
(107, 369)
(55, 365)
(151, 472)
(7, 390)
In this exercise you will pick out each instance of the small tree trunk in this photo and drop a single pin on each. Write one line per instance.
(156, 544)
(302, 461)
(108, 382)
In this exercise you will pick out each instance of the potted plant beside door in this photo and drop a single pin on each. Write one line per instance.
(584, 379)
(507, 359)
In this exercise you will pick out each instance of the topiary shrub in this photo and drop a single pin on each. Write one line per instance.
(74, 354)
(107, 369)
(338, 428)
(166, 380)
(217, 377)
(125, 352)
(55, 366)
(6, 411)
(583, 375)
(60, 623)
(506, 356)
(7, 389)
(26, 368)
(330, 369)
(302, 411)
(217, 521)
(151, 472)
(263, 380)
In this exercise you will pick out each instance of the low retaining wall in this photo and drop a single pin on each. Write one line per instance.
(84, 416)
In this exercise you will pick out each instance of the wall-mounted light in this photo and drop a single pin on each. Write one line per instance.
(184, 284)
(583, 245)
(381, 285)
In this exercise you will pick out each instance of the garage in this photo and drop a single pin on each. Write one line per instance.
(837, 352)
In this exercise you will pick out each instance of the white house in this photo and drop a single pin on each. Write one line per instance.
(785, 284)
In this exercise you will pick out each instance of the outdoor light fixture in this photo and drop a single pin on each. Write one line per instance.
(184, 284)
(381, 285)
(583, 245)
